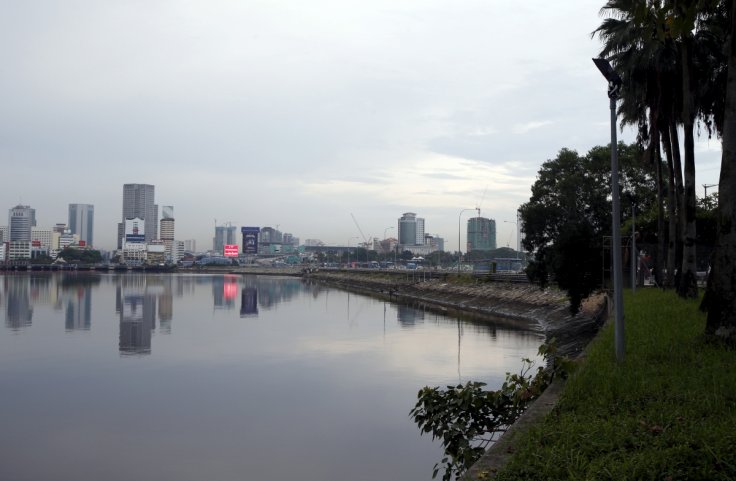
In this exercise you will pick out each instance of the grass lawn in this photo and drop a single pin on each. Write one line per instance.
(667, 412)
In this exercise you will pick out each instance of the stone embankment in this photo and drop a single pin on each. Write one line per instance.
(512, 303)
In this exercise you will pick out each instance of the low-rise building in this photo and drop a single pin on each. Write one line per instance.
(18, 250)
(155, 253)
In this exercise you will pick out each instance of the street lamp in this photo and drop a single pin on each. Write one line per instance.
(614, 88)
(356, 237)
(708, 186)
(516, 227)
(459, 249)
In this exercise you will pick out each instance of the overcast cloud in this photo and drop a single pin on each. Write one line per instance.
(297, 113)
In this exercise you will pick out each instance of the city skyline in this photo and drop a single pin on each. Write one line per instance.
(298, 114)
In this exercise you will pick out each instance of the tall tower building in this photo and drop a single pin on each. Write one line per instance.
(481, 234)
(20, 220)
(81, 221)
(411, 229)
(167, 232)
(138, 201)
(226, 234)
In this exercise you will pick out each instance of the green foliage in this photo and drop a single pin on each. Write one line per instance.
(84, 256)
(466, 417)
(569, 213)
(666, 412)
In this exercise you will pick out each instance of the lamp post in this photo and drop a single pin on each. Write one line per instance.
(349, 249)
(708, 186)
(516, 227)
(384, 238)
(459, 249)
(614, 87)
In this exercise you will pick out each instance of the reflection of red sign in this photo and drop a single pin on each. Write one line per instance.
(36, 243)
(231, 250)
(230, 290)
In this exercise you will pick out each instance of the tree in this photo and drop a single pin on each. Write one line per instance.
(720, 296)
(85, 256)
(669, 53)
(638, 39)
(569, 213)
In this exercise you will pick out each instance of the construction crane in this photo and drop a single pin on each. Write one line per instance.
(481, 201)
(359, 229)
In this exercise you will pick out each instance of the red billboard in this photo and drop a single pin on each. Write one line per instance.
(231, 250)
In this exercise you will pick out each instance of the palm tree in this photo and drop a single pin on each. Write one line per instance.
(720, 295)
(636, 38)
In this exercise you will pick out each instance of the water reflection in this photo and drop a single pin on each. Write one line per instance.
(249, 302)
(74, 296)
(101, 342)
(408, 316)
(18, 310)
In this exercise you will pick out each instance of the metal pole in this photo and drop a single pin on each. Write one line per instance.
(618, 298)
(459, 250)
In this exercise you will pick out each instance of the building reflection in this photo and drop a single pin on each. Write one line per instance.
(136, 304)
(18, 307)
(225, 291)
(408, 316)
(74, 296)
(249, 302)
(166, 306)
(272, 291)
(255, 292)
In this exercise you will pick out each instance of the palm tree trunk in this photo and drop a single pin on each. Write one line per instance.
(679, 191)
(720, 295)
(657, 159)
(688, 286)
(671, 210)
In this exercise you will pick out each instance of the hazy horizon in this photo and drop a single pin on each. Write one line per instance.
(297, 114)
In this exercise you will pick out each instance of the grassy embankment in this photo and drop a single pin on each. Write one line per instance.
(667, 412)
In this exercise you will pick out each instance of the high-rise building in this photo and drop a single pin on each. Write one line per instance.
(411, 229)
(225, 234)
(167, 212)
(167, 236)
(81, 221)
(481, 234)
(20, 220)
(138, 201)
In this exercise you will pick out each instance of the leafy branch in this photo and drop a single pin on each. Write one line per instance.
(468, 418)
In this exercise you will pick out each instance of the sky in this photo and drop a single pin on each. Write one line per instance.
(296, 114)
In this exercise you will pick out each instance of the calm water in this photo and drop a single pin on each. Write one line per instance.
(199, 377)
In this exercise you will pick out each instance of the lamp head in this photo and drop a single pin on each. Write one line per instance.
(614, 79)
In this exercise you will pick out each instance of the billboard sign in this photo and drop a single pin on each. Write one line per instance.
(133, 238)
(250, 239)
(231, 250)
